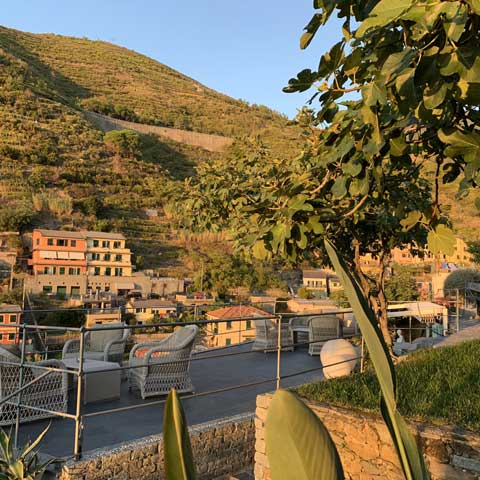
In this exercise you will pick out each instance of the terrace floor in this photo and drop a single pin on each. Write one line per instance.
(207, 375)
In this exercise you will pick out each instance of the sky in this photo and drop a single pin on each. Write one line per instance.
(247, 49)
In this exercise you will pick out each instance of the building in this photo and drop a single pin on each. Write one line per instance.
(152, 309)
(164, 286)
(197, 298)
(229, 333)
(319, 280)
(76, 263)
(9, 314)
(300, 305)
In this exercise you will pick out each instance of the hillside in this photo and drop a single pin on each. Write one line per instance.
(59, 169)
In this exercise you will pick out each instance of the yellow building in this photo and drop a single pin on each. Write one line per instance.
(232, 332)
(152, 309)
(107, 255)
(321, 280)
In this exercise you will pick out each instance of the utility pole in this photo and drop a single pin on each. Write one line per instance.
(11, 278)
(458, 309)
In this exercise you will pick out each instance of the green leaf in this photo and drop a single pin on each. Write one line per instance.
(259, 250)
(477, 203)
(352, 168)
(474, 5)
(456, 14)
(315, 226)
(396, 63)
(339, 188)
(434, 99)
(385, 11)
(179, 464)
(374, 93)
(397, 146)
(411, 220)
(410, 456)
(17, 469)
(466, 144)
(30, 448)
(441, 240)
(298, 445)
(310, 30)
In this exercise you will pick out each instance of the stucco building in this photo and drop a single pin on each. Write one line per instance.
(9, 314)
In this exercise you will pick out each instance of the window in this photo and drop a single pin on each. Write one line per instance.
(117, 244)
(118, 272)
(229, 325)
(11, 336)
(228, 341)
(73, 243)
(13, 319)
(106, 257)
(38, 241)
(61, 242)
(46, 270)
(249, 325)
(50, 242)
(108, 271)
(75, 291)
(61, 270)
(72, 271)
(118, 258)
(47, 289)
(96, 271)
(105, 244)
(95, 243)
(61, 290)
(138, 310)
(1, 318)
(95, 256)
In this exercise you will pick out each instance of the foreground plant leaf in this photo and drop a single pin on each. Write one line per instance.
(410, 456)
(298, 445)
(177, 451)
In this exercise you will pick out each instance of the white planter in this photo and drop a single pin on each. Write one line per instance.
(335, 351)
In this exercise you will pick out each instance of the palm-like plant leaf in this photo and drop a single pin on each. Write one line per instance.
(409, 454)
(29, 447)
(179, 464)
(298, 445)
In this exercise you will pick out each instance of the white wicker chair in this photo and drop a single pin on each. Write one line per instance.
(101, 344)
(164, 364)
(321, 329)
(49, 393)
(266, 336)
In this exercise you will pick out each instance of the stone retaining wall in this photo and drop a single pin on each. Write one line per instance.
(220, 449)
(366, 449)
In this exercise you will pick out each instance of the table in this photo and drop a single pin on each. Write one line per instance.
(101, 380)
(297, 330)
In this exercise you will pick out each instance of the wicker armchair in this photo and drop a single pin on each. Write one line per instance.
(106, 345)
(321, 329)
(163, 365)
(49, 393)
(266, 336)
(298, 327)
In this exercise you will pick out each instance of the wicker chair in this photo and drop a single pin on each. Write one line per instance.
(49, 393)
(301, 336)
(163, 365)
(266, 336)
(106, 345)
(321, 329)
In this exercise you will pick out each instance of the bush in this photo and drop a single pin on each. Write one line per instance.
(304, 293)
(459, 278)
(440, 385)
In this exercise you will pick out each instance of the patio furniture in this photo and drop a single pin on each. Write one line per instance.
(163, 365)
(100, 344)
(48, 393)
(266, 336)
(299, 328)
(321, 329)
(101, 380)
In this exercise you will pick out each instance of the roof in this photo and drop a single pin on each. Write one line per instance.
(60, 233)
(106, 235)
(6, 308)
(153, 303)
(319, 274)
(238, 311)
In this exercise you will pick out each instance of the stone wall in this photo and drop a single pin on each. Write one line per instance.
(213, 143)
(366, 449)
(220, 449)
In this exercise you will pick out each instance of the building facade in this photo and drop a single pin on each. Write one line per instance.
(151, 310)
(319, 280)
(9, 314)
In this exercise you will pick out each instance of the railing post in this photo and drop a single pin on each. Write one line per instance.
(77, 449)
(20, 385)
(279, 348)
(457, 309)
(362, 358)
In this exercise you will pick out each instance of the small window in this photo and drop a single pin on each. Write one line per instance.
(116, 244)
(38, 241)
(105, 244)
(229, 325)
(1, 318)
(249, 325)
(61, 270)
(71, 271)
(118, 258)
(61, 242)
(138, 310)
(11, 336)
(106, 257)
(95, 243)
(96, 271)
(108, 271)
(73, 243)
(50, 242)
(13, 319)
(228, 341)
(47, 289)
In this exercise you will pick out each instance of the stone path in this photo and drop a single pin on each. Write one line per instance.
(469, 333)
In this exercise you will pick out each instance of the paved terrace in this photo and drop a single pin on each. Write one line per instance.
(207, 375)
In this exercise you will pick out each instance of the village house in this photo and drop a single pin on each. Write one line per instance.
(9, 314)
(152, 309)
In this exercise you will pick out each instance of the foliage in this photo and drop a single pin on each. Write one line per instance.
(178, 457)
(474, 250)
(123, 142)
(16, 215)
(455, 366)
(410, 456)
(401, 285)
(459, 278)
(340, 297)
(12, 297)
(304, 293)
(298, 444)
(24, 464)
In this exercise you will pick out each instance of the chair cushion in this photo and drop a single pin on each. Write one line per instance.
(99, 339)
(94, 355)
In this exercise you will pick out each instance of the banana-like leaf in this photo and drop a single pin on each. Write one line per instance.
(410, 456)
(179, 464)
(297, 443)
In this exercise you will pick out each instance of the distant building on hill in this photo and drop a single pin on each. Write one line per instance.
(232, 332)
(9, 314)
(76, 263)
(151, 310)
(321, 280)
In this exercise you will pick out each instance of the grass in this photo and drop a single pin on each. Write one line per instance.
(440, 385)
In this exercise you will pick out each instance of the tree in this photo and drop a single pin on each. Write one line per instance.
(401, 285)
(123, 142)
(370, 174)
(458, 279)
(474, 249)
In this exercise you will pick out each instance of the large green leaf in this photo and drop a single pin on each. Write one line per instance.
(179, 464)
(385, 11)
(441, 240)
(410, 457)
(466, 144)
(298, 445)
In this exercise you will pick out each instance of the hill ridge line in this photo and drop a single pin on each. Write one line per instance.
(210, 142)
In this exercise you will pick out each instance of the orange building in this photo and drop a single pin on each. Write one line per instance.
(9, 314)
